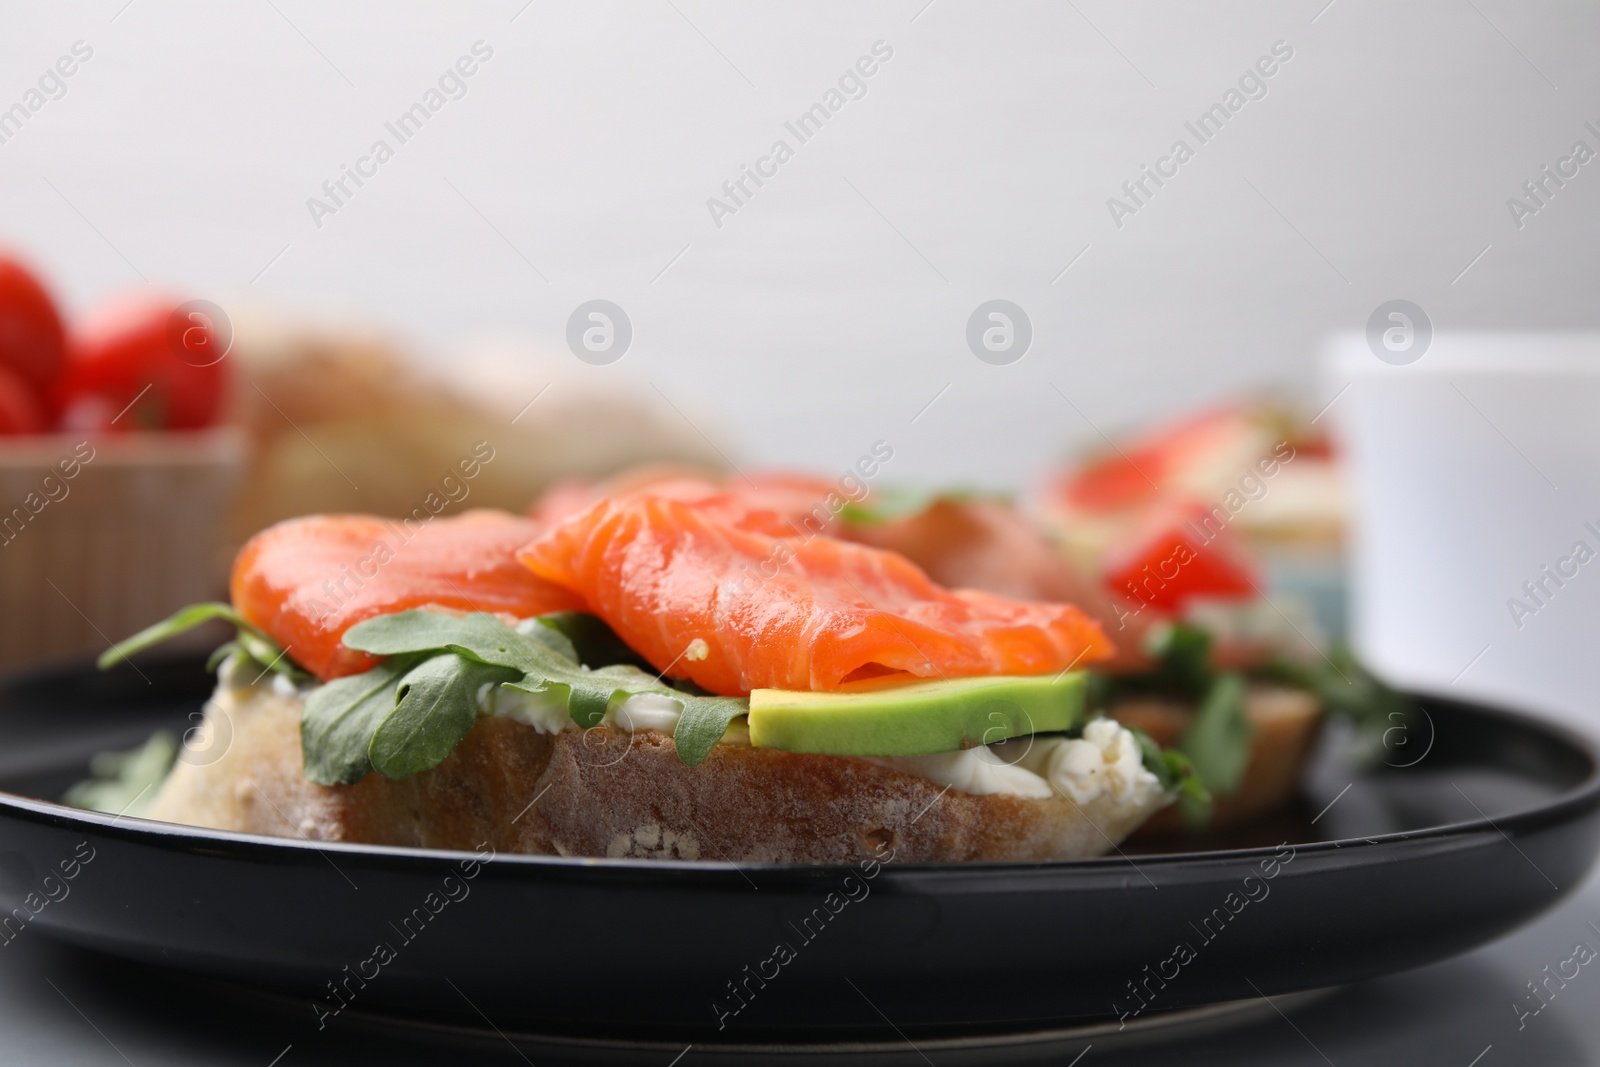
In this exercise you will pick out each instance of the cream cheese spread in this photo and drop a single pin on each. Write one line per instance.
(1105, 761)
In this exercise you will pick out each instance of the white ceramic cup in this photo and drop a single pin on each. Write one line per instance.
(1475, 473)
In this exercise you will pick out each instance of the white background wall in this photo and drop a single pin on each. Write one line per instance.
(821, 316)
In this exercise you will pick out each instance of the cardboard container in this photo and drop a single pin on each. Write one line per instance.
(101, 536)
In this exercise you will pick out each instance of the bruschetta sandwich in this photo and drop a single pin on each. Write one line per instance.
(682, 669)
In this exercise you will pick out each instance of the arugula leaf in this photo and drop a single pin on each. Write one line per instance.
(123, 783)
(1218, 740)
(547, 633)
(410, 711)
(479, 636)
(341, 717)
(1183, 658)
(486, 639)
(437, 704)
(1177, 775)
(250, 641)
(702, 723)
(528, 661)
(702, 720)
(222, 652)
(183, 620)
(587, 695)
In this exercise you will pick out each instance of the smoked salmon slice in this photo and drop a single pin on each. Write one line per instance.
(306, 581)
(710, 590)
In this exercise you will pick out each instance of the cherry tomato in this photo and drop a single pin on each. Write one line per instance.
(21, 410)
(1187, 554)
(32, 341)
(145, 365)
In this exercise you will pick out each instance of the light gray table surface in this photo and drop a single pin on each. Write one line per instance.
(60, 1005)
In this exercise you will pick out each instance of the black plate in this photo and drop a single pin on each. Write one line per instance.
(1479, 822)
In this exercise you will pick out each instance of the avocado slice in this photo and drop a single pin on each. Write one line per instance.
(918, 718)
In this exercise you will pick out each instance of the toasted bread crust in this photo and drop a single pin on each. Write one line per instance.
(605, 792)
(761, 805)
(257, 786)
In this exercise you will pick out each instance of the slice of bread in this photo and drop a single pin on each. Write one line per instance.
(606, 792)
(1284, 722)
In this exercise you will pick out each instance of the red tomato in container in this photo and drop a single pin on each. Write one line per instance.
(32, 341)
(148, 365)
(21, 410)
